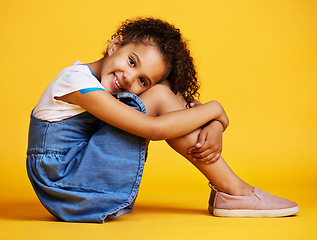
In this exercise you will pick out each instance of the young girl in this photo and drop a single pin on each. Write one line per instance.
(90, 129)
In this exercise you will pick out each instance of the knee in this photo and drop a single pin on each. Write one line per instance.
(156, 96)
(159, 91)
(160, 99)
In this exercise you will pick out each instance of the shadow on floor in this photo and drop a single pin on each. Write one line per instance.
(25, 211)
(157, 209)
(34, 211)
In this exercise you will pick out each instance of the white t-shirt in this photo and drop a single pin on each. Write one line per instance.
(78, 77)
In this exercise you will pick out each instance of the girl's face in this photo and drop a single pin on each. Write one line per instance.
(131, 68)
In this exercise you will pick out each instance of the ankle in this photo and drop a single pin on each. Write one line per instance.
(236, 189)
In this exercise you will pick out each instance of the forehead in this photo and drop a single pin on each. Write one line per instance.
(149, 60)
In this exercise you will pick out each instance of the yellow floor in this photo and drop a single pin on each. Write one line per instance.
(169, 206)
(162, 213)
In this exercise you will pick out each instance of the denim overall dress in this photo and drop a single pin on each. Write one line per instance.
(85, 170)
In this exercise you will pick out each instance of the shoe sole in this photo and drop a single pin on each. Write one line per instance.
(254, 213)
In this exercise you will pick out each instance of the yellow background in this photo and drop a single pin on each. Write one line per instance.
(258, 58)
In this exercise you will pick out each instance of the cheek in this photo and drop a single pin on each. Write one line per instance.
(119, 62)
(136, 89)
(114, 64)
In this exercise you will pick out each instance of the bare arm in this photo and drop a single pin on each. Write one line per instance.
(197, 103)
(171, 125)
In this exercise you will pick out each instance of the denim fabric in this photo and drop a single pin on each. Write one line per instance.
(84, 170)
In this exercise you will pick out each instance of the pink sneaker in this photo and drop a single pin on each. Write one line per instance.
(258, 204)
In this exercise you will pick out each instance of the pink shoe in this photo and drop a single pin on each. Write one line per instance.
(258, 204)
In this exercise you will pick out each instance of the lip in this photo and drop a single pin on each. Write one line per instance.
(116, 83)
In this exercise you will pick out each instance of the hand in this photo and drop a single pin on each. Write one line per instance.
(209, 145)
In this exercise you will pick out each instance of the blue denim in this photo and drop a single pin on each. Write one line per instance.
(85, 170)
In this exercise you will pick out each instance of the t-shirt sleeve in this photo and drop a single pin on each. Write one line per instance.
(69, 82)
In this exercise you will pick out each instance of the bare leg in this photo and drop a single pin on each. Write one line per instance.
(159, 100)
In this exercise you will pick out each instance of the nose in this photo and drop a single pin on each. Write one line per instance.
(130, 77)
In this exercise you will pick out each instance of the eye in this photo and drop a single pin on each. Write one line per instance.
(143, 82)
(131, 61)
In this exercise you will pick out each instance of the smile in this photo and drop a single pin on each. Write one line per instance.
(117, 83)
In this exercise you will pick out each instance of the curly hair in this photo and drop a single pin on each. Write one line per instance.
(181, 72)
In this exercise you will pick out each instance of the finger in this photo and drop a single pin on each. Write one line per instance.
(199, 147)
(203, 152)
(192, 149)
(207, 158)
(205, 147)
(214, 159)
(201, 139)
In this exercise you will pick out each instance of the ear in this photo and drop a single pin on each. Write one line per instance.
(114, 44)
